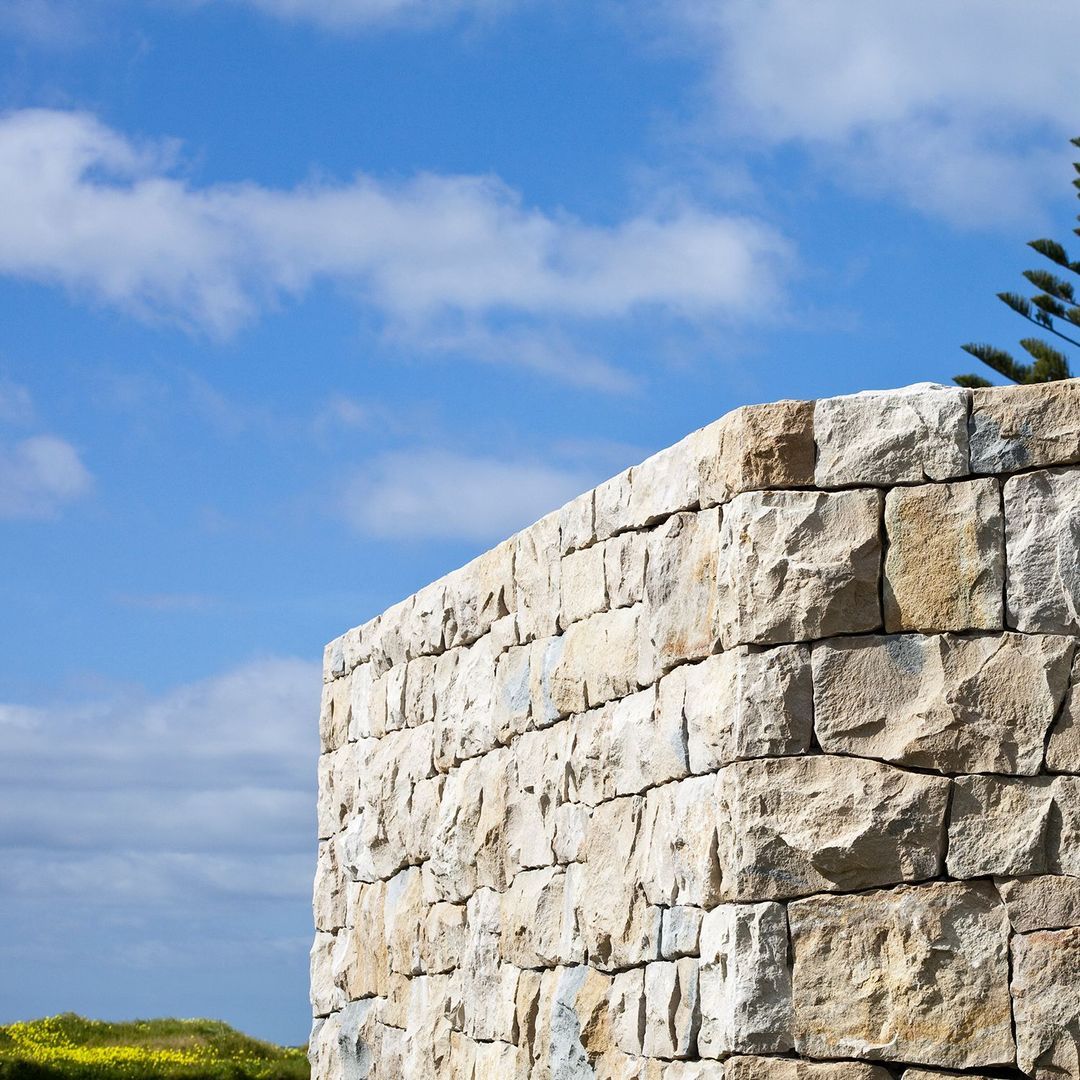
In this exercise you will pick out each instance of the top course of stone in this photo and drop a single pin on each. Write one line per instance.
(591, 555)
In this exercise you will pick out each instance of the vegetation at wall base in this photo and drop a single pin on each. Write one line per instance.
(73, 1048)
(1053, 307)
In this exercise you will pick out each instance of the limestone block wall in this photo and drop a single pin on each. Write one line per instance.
(761, 761)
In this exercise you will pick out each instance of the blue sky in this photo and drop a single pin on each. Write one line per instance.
(305, 302)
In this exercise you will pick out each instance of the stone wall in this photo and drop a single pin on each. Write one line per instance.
(759, 761)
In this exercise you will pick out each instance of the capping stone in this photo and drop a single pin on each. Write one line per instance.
(797, 565)
(1025, 427)
(915, 974)
(890, 437)
(947, 703)
(945, 561)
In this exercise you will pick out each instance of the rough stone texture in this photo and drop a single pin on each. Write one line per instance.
(1046, 974)
(1042, 902)
(914, 974)
(941, 702)
(945, 560)
(798, 565)
(1025, 427)
(745, 984)
(767, 1068)
(1042, 524)
(895, 437)
(646, 792)
(793, 826)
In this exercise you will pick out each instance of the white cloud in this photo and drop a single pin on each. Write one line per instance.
(960, 107)
(84, 207)
(207, 789)
(438, 493)
(38, 475)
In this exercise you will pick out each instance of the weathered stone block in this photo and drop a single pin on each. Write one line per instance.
(678, 863)
(583, 585)
(577, 523)
(941, 702)
(770, 1068)
(681, 587)
(1042, 902)
(612, 507)
(680, 931)
(1014, 827)
(405, 915)
(664, 484)
(744, 703)
(1025, 427)
(896, 437)
(624, 747)
(329, 894)
(1042, 522)
(797, 565)
(626, 1007)
(745, 981)
(624, 568)
(361, 960)
(538, 927)
(1046, 974)
(325, 995)
(572, 1025)
(1063, 748)
(755, 448)
(618, 924)
(443, 943)
(478, 594)
(792, 826)
(917, 975)
(945, 560)
(537, 574)
(485, 987)
(672, 1015)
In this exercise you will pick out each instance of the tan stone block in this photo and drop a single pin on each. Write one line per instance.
(619, 926)
(537, 578)
(361, 961)
(425, 631)
(478, 594)
(443, 943)
(583, 586)
(744, 703)
(745, 982)
(577, 523)
(612, 507)
(792, 826)
(1063, 748)
(666, 483)
(334, 713)
(1025, 427)
(624, 747)
(938, 1074)
(405, 915)
(672, 1013)
(425, 1047)
(945, 560)
(1042, 902)
(677, 853)
(485, 987)
(757, 447)
(1046, 974)
(512, 698)
(573, 1026)
(910, 974)
(948, 703)
(466, 718)
(680, 931)
(329, 891)
(680, 587)
(890, 437)
(325, 995)
(538, 928)
(771, 1068)
(626, 1007)
(798, 565)
(1043, 580)
(624, 568)
(419, 696)
(367, 705)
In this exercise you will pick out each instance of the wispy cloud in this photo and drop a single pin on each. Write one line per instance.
(86, 208)
(38, 475)
(958, 108)
(352, 14)
(432, 493)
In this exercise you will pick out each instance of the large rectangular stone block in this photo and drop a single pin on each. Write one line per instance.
(945, 559)
(799, 565)
(942, 702)
(1046, 974)
(793, 826)
(1025, 427)
(919, 975)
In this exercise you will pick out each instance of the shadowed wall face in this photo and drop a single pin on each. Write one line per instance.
(759, 761)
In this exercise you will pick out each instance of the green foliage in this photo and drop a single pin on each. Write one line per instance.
(1053, 305)
(69, 1047)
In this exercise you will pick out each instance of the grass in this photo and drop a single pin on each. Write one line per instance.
(69, 1047)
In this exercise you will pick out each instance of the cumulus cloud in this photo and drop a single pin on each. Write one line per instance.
(958, 107)
(38, 475)
(442, 494)
(86, 208)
